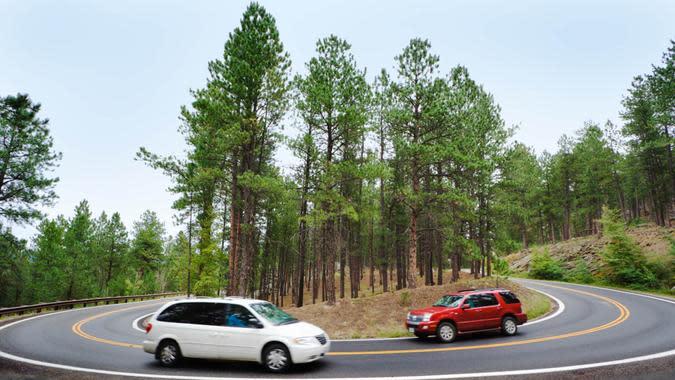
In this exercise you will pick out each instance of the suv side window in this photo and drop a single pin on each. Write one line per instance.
(472, 301)
(238, 316)
(487, 299)
(509, 297)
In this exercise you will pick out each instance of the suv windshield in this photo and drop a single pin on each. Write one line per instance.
(273, 313)
(449, 301)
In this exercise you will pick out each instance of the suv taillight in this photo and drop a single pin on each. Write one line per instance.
(148, 327)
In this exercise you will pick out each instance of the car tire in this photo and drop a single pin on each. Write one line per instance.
(276, 358)
(446, 332)
(509, 326)
(168, 353)
(422, 335)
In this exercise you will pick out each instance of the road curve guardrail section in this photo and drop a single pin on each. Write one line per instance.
(58, 305)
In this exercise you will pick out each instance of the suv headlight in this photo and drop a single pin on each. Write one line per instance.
(307, 340)
(426, 317)
(407, 316)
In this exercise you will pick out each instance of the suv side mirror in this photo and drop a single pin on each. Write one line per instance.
(254, 322)
(465, 306)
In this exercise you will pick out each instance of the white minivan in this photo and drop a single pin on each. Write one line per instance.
(232, 329)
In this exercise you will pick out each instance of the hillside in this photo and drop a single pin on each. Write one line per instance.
(655, 242)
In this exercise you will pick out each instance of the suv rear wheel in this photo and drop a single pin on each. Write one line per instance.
(446, 332)
(509, 326)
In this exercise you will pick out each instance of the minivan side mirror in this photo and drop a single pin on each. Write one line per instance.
(466, 306)
(254, 322)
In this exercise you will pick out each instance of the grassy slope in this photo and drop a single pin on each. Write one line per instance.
(383, 315)
(653, 240)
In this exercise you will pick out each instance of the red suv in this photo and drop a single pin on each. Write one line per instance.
(468, 311)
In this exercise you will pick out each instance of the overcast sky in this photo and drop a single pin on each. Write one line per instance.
(111, 75)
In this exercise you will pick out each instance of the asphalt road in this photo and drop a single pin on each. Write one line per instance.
(596, 326)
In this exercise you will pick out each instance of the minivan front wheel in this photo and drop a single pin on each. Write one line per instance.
(276, 358)
(168, 353)
(509, 326)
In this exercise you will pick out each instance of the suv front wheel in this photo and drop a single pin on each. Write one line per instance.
(446, 332)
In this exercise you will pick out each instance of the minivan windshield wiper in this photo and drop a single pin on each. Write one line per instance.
(288, 322)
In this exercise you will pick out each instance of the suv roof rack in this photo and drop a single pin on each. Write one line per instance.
(479, 290)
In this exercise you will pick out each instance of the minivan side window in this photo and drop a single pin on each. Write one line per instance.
(212, 314)
(238, 316)
(198, 313)
(177, 313)
(509, 297)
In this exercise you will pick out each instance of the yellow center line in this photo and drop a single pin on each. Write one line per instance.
(77, 328)
(624, 313)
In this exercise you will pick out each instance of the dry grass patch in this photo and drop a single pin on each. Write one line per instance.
(383, 315)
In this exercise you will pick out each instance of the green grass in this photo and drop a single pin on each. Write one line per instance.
(536, 307)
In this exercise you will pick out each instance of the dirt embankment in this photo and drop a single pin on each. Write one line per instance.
(654, 241)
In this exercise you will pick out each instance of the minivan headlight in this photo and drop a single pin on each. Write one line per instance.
(305, 340)
(426, 317)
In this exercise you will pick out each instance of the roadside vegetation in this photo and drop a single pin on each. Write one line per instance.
(402, 175)
(613, 257)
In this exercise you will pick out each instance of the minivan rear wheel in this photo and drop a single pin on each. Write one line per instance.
(509, 326)
(446, 332)
(168, 353)
(276, 358)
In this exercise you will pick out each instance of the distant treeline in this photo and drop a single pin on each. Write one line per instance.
(406, 175)
(82, 257)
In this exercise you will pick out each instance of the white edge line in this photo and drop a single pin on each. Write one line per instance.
(429, 377)
(134, 324)
(663, 299)
(561, 308)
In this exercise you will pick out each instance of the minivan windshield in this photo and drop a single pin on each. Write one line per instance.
(273, 314)
(449, 301)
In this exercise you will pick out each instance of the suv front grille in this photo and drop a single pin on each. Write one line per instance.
(415, 318)
(322, 339)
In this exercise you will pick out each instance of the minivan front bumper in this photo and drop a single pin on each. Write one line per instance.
(306, 354)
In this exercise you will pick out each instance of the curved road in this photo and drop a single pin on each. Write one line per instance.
(596, 326)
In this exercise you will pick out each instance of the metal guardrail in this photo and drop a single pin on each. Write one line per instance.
(58, 305)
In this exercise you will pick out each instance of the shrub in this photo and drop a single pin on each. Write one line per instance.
(623, 260)
(580, 273)
(405, 299)
(544, 267)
